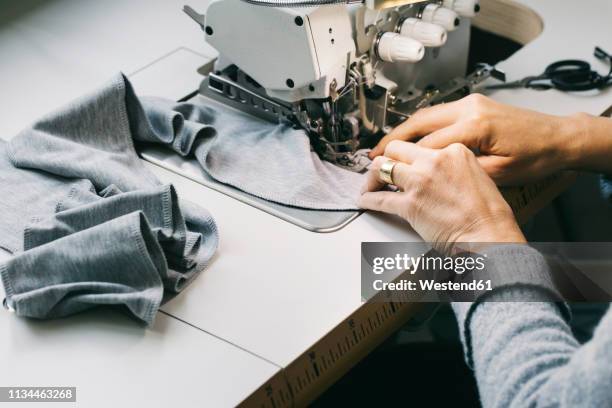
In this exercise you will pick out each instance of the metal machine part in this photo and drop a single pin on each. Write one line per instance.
(346, 74)
(374, 4)
(299, 3)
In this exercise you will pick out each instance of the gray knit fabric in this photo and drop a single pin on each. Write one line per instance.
(89, 225)
(271, 161)
(524, 353)
(85, 220)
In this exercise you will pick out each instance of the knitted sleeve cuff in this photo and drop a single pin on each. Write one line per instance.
(521, 275)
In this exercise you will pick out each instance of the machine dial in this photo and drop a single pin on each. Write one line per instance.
(430, 35)
(465, 8)
(436, 14)
(393, 47)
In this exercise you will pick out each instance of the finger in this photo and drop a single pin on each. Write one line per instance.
(405, 151)
(494, 166)
(377, 162)
(400, 175)
(403, 175)
(383, 201)
(461, 132)
(373, 182)
(420, 124)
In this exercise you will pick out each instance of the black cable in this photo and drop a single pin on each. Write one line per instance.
(567, 76)
(576, 76)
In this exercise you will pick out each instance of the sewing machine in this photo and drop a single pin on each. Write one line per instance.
(346, 73)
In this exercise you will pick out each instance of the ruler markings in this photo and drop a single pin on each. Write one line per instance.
(322, 363)
(381, 320)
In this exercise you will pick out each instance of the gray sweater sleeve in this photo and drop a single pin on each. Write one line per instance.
(525, 355)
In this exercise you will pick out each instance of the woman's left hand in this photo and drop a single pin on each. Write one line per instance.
(444, 194)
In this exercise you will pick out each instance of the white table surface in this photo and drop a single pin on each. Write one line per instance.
(273, 289)
(114, 362)
(52, 53)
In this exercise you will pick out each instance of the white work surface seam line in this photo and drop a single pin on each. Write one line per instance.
(222, 339)
(166, 56)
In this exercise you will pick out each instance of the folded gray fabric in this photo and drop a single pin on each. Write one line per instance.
(25, 193)
(87, 223)
(90, 225)
(118, 262)
(160, 207)
(271, 161)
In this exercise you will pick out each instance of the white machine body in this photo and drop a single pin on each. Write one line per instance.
(279, 47)
(341, 71)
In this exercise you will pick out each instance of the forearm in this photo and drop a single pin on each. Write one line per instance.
(514, 347)
(524, 353)
(588, 143)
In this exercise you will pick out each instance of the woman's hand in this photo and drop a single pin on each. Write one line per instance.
(514, 145)
(444, 194)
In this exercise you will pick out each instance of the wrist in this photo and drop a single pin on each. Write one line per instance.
(588, 143)
(497, 230)
(573, 141)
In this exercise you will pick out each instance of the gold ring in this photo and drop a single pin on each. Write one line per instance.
(385, 174)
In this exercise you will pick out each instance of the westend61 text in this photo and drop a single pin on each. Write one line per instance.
(429, 285)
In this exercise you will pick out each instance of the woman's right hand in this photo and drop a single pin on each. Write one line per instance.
(444, 194)
(514, 146)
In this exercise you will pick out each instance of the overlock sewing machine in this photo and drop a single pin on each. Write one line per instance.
(347, 72)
